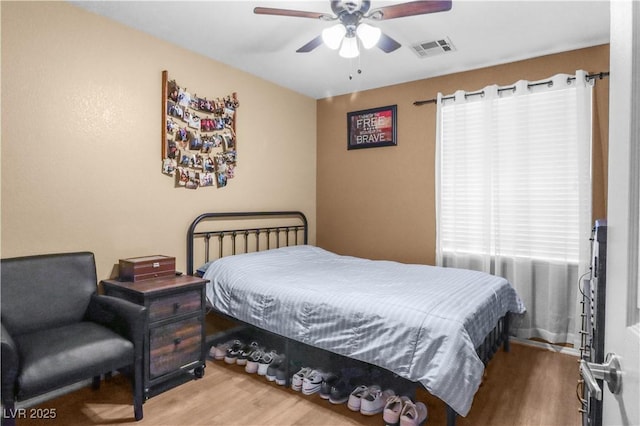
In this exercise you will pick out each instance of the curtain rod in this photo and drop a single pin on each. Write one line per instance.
(599, 76)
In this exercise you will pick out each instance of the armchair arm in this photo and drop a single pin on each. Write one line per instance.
(10, 365)
(124, 317)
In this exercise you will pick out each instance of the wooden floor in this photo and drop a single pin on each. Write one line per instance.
(527, 386)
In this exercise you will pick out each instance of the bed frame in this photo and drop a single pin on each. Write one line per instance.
(244, 232)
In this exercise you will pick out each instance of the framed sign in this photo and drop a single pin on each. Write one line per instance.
(372, 127)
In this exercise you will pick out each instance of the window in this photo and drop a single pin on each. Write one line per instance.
(513, 193)
(510, 175)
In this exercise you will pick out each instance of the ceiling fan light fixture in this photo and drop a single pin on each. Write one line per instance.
(349, 48)
(369, 35)
(333, 35)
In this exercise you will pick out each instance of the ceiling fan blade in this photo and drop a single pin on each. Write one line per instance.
(410, 9)
(287, 12)
(387, 44)
(311, 45)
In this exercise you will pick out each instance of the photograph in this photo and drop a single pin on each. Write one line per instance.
(192, 180)
(208, 165)
(169, 166)
(229, 141)
(172, 149)
(205, 178)
(195, 143)
(221, 179)
(207, 144)
(182, 176)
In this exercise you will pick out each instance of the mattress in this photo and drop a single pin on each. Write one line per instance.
(421, 322)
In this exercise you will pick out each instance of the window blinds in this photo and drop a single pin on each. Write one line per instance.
(511, 172)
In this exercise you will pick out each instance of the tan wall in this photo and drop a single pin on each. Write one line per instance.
(379, 202)
(81, 122)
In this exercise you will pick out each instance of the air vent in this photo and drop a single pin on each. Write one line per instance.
(433, 48)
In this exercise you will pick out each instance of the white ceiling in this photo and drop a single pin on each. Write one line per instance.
(484, 33)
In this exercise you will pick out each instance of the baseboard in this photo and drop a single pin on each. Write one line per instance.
(548, 346)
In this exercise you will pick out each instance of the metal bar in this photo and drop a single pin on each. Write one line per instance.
(505, 332)
(541, 83)
(287, 351)
(240, 230)
(233, 242)
(451, 416)
(206, 247)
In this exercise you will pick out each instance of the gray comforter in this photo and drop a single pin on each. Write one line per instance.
(421, 322)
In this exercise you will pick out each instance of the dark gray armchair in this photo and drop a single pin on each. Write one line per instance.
(57, 330)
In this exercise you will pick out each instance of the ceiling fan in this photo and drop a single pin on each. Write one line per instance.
(350, 30)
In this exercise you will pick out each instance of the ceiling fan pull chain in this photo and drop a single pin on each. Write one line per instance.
(359, 70)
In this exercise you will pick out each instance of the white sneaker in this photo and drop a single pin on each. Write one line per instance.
(298, 378)
(245, 352)
(374, 400)
(355, 397)
(214, 354)
(265, 360)
(413, 414)
(231, 356)
(253, 361)
(219, 351)
(278, 362)
(393, 409)
(312, 383)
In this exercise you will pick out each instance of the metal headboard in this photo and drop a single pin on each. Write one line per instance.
(287, 233)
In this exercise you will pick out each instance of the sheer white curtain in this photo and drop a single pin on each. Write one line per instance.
(513, 193)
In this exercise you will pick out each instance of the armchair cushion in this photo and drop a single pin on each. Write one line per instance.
(64, 355)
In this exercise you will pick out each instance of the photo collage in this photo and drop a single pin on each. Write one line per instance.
(199, 140)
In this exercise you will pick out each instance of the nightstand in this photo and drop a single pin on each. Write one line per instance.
(175, 346)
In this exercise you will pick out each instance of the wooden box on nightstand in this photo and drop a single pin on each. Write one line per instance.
(175, 347)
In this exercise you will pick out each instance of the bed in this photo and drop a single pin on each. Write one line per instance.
(430, 325)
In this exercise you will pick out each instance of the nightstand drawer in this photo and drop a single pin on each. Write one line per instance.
(175, 304)
(174, 345)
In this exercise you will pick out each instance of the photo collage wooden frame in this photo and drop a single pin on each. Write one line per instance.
(199, 145)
